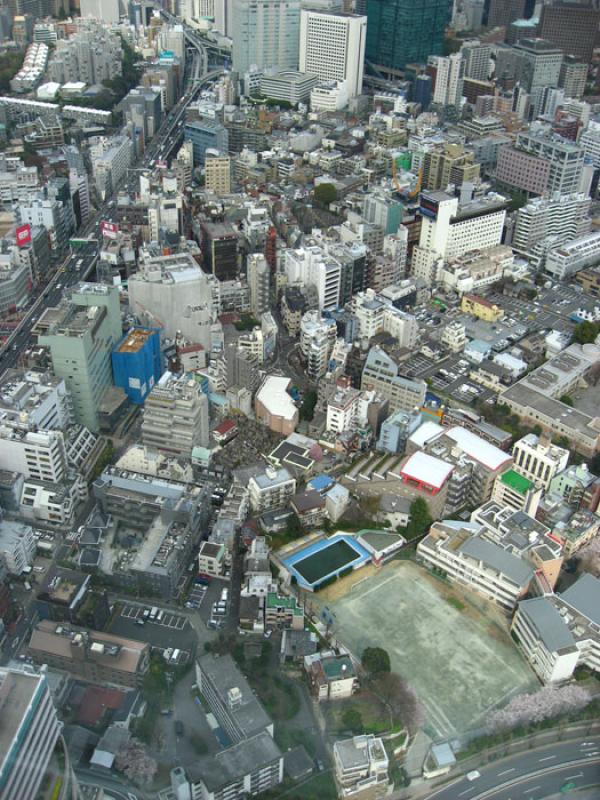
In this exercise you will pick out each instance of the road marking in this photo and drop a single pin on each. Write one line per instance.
(532, 789)
(570, 777)
(506, 772)
(465, 791)
(548, 758)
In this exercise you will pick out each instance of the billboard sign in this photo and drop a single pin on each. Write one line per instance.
(23, 234)
(109, 229)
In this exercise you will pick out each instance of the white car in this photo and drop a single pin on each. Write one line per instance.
(473, 775)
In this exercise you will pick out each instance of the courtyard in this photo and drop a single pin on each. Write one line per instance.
(453, 649)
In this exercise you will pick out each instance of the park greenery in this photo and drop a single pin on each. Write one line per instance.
(325, 193)
(10, 64)
(586, 332)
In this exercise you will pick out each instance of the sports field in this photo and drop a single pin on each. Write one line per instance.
(331, 559)
(458, 657)
(325, 558)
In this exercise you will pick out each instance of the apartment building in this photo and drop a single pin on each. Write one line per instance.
(381, 374)
(568, 259)
(361, 768)
(271, 489)
(331, 677)
(537, 459)
(176, 416)
(318, 335)
(17, 546)
(217, 171)
(560, 632)
(517, 492)
(30, 731)
(110, 158)
(90, 655)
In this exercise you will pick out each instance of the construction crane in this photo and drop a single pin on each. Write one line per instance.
(412, 193)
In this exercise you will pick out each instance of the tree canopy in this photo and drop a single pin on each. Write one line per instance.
(586, 332)
(325, 193)
(420, 519)
(375, 660)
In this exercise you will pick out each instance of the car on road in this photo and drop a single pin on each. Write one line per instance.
(179, 729)
(473, 775)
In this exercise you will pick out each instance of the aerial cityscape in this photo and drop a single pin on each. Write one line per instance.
(299, 399)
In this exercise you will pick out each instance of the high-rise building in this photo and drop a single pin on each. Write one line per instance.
(105, 10)
(538, 459)
(401, 32)
(573, 75)
(30, 730)
(265, 33)
(205, 134)
(317, 338)
(573, 27)
(449, 75)
(176, 416)
(81, 334)
(136, 363)
(382, 374)
(217, 172)
(220, 249)
(258, 274)
(332, 46)
(541, 61)
(477, 60)
(503, 12)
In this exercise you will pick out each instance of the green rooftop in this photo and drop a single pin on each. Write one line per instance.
(515, 481)
(276, 601)
(338, 666)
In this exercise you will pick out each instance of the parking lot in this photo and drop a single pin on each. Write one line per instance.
(168, 619)
(196, 595)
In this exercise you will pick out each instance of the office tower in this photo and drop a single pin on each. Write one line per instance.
(422, 91)
(30, 730)
(573, 75)
(539, 70)
(176, 416)
(81, 334)
(573, 27)
(332, 46)
(258, 282)
(547, 222)
(205, 134)
(503, 12)
(220, 249)
(217, 172)
(265, 33)
(448, 87)
(477, 60)
(401, 32)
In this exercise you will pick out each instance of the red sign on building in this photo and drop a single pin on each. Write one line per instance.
(109, 229)
(23, 234)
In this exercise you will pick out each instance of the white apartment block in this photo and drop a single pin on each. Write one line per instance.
(477, 269)
(538, 459)
(34, 400)
(348, 410)
(547, 222)
(17, 546)
(51, 503)
(40, 455)
(466, 558)
(361, 767)
(110, 159)
(329, 96)
(570, 258)
(477, 60)
(272, 488)
(449, 77)
(449, 230)
(332, 47)
(376, 314)
(312, 265)
(30, 731)
(559, 632)
(589, 141)
(317, 339)
(454, 336)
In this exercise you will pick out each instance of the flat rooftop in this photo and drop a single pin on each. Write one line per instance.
(135, 340)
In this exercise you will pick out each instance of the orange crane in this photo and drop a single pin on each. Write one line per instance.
(416, 188)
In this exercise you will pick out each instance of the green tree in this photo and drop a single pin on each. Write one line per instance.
(594, 464)
(325, 193)
(420, 519)
(307, 409)
(375, 660)
(352, 720)
(586, 332)
(566, 399)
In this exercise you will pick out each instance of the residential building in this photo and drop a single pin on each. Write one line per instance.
(176, 416)
(454, 336)
(283, 612)
(517, 492)
(81, 334)
(361, 768)
(449, 75)
(136, 363)
(17, 546)
(271, 489)
(559, 632)
(572, 483)
(265, 33)
(537, 459)
(318, 335)
(90, 655)
(211, 558)
(396, 429)
(217, 172)
(312, 265)
(259, 277)
(331, 677)
(30, 731)
(332, 47)
(110, 158)
(481, 308)
(381, 374)
(33, 400)
(401, 32)
(449, 164)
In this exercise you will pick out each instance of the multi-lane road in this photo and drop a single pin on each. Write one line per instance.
(531, 774)
(80, 264)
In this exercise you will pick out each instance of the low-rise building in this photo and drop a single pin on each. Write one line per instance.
(361, 768)
(211, 558)
(17, 546)
(283, 612)
(481, 308)
(517, 492)
(274, 406)
(271, 489)
(331, 677)
(560, 632)
(537, 459)
(90, 655)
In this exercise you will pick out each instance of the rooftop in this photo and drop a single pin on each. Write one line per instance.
(551, 627)
(274, 397)
(477, 448)
(515, 481)
(135, 340)
(584, 597)
(427, 469)
(490, 554)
